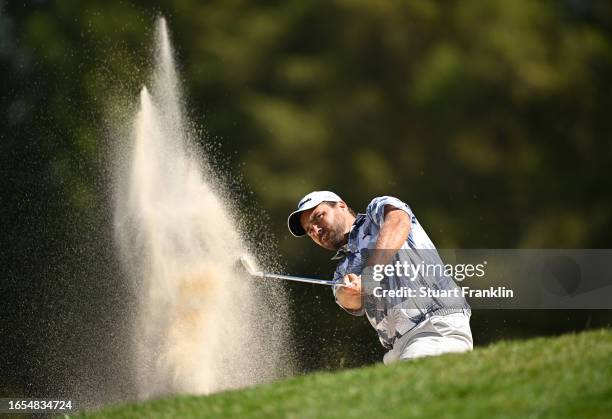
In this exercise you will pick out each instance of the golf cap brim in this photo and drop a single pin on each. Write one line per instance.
(308, 202)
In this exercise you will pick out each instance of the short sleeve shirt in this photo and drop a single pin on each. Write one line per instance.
(393, 317)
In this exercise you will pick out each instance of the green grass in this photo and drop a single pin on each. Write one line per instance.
(564, 377)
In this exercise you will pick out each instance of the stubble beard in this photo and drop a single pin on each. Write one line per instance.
(337, 237)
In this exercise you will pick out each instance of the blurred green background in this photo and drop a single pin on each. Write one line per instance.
(491, 119)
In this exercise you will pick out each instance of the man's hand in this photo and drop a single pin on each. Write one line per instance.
(349, 293)
(352, 283)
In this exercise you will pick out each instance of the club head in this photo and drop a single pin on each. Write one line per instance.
(248, 265)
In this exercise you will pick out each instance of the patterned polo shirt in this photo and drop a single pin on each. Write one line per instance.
(394, 316)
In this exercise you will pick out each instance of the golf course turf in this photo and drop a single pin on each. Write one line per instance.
(561, 377)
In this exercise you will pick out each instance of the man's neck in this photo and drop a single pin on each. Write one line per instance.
(350, 220)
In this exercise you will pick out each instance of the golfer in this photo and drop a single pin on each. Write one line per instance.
(387, 234)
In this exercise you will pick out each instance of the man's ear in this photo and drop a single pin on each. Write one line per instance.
(342, 204)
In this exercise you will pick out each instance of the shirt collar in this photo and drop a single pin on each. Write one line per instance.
(350, 245)
(341, 253)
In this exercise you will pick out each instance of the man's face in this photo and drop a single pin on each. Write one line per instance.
(326, 225)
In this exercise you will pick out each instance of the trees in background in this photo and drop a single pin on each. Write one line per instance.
(489, 118)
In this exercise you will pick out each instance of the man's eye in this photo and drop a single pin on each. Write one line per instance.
(319, 215)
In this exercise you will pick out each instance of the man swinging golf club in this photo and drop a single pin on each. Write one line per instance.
(368, 247)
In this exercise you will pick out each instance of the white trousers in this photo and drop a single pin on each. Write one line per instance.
(434, 336)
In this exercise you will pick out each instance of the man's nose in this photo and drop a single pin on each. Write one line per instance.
(316, 229)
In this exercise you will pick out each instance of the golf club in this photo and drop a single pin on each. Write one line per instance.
(249, 267)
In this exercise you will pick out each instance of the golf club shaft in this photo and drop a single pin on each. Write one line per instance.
(293, 278)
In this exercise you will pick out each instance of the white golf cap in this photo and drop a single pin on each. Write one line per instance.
(308, 202)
